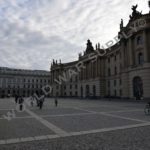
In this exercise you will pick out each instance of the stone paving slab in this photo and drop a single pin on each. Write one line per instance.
(93, 129)
(17, 114)
(17, 128)
(88, 122)
(134, 114)
(6, 104)
(128, 139)
(58, 111)
(105, 109)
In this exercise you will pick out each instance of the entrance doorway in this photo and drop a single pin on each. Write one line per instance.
(137, 88)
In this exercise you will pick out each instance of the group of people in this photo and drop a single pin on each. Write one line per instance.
(39, 101)
(19, 100)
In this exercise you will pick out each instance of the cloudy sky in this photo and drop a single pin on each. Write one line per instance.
(33, 32)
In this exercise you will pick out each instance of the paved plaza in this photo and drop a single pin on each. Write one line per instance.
(75, 125)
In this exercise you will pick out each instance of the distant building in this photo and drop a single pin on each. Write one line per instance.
(123, 71)
(22, 82)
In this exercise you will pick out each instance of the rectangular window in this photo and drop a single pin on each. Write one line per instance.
(120, 82)
(115, 70)
(139, 40)
(76, 86)
(115, 92)
(108, 83)
(70, 86)
(120, 92)
(109, 72)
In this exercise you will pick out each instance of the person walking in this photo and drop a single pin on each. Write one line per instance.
(32, 101)
(21, 100)
(16, 98)
(41, 101)
(56, 102)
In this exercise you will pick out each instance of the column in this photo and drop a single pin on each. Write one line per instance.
(145, 47)
(130, 52)
(122, 55)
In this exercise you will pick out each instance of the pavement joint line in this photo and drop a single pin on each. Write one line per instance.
(121, 117)
(46, 123)
(53, 115)
(26, 117)
(7, 109)
(110, 129)
(43, 137)
(84, 110)
(116, 116)
(47, 137)
(109, 111)
(75, 114)
(27, 139)
(123, 111)
(12, 141)
(52, 136)
(2, 142)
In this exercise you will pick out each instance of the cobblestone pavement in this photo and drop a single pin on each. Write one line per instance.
(75, 125)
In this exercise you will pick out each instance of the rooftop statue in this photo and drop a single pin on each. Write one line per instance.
(89, 47)
(135, 13)
(134, 8)
(121, 24)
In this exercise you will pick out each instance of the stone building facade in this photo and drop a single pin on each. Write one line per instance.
(22, 82)
(121, 70)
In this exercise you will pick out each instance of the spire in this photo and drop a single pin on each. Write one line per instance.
(98, 46)
(121, 24)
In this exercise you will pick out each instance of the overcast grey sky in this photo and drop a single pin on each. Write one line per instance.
(33, 32)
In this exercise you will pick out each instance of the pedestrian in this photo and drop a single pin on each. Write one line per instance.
(21, 100)
(41, 101)
(32, 101)
(16, 98)
(56, 102)
(37, 101)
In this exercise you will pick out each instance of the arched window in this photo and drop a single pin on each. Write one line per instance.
(140, 59)
(139, 40)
